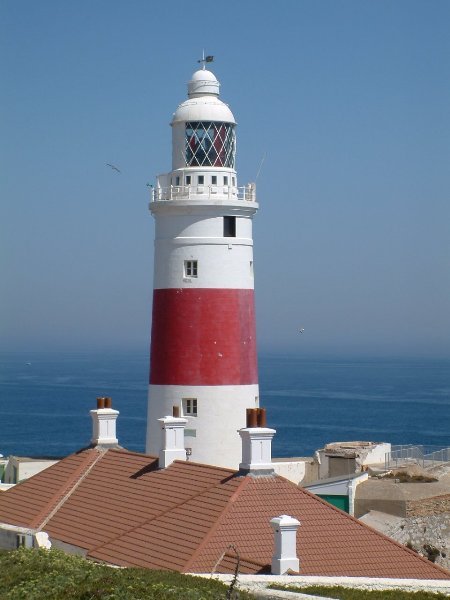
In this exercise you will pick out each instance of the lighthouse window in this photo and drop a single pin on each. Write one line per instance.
(201, 179)
(214, 179)
(190, 268)
(177, 180)
(188, 180)
(229, 227)
(210, 144)
(190, 406)
(225, 180)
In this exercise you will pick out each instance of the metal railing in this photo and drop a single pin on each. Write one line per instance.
(436, 457)
(401, 456)
(205, 192)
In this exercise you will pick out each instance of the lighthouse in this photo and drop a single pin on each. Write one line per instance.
(203, 347)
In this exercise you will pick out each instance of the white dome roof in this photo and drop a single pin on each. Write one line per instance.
(205, 108)
(203, 82)
(203, 103)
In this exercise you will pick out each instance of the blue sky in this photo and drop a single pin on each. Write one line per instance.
(349, 101)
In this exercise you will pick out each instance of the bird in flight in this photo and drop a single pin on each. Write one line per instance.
(302, 330)
(113, 167)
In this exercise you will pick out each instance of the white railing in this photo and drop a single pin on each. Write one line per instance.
(205, 192)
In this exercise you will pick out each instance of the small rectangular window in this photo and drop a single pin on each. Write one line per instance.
(229, 227)
(190, 406)
(201, 180)
(233, 180)
(214, 179)
(190, 268)
(177, 180)
(225, 180)
(188, 180)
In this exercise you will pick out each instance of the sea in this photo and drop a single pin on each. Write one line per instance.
(45, 400)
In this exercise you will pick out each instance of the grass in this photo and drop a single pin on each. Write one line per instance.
(342, 593)
(54, 575)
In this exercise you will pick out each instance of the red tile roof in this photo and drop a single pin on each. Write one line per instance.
(33, 499)
(119, 508)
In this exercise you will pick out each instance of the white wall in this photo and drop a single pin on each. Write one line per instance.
(24, 468)
(221, 413)
(299, 471)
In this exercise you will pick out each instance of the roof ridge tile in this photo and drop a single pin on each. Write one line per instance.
(67, 489)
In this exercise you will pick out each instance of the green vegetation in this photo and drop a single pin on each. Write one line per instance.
(54, 575)
(351, 594)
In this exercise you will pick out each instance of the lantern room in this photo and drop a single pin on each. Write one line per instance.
(203, 148)
(203, 127)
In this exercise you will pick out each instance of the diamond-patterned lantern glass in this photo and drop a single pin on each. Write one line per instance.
(210, 144)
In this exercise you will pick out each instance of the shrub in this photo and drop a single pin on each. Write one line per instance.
(54, 575)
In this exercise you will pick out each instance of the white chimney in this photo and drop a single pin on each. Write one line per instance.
(42, 540)
(285, 554)
(172, 447)
(104, 423)
(256, 443)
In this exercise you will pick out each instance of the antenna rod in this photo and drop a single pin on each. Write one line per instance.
(260, 166)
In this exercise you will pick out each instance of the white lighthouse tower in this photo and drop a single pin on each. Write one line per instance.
(203, 348)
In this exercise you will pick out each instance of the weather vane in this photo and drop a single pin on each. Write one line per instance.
(205, 59)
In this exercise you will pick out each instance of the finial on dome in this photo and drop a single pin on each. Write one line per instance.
(205, 59)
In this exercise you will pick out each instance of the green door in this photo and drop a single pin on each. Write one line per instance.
(338, 501)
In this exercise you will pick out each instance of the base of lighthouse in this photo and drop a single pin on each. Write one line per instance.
(214, 414)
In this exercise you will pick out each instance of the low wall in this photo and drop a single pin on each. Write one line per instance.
(360, 583)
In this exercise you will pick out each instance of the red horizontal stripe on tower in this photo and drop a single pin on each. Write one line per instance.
(203, 337)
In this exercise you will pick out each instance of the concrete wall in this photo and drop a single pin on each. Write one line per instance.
(345, 458)
(300, 471)
(401, 499)
(381, 496)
